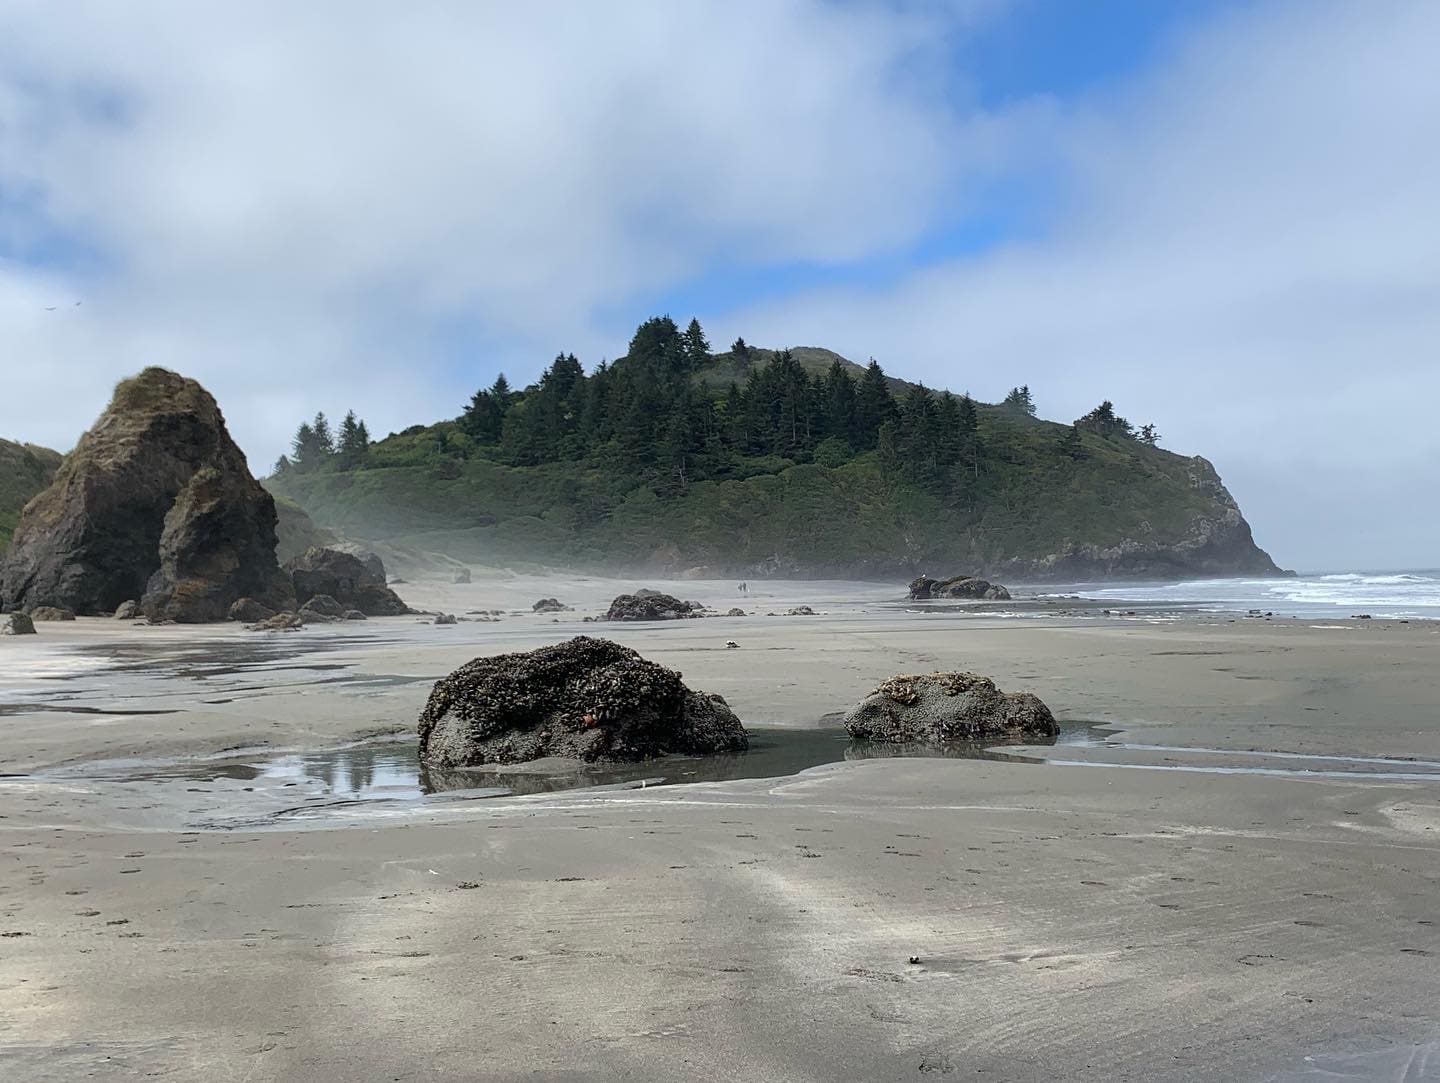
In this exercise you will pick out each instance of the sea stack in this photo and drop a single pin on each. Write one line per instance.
(156, 502)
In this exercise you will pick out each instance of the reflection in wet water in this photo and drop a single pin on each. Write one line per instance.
(390, 770)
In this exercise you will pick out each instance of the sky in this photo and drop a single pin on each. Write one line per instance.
(1223, 215)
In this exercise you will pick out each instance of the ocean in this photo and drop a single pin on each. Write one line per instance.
(1405, 595)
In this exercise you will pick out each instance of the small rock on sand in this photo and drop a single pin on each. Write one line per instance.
(16, 624)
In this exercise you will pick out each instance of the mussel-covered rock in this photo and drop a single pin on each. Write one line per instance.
(647, 604)
(958, 586)
(589, 699)
(937, 707)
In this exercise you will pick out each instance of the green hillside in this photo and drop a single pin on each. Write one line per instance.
(757, 462)
(24, 470)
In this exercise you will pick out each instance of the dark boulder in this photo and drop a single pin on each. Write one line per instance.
(156, 502)
(52, 612)
(650, 605)
(589, 699)
(801, 611)
(16, 624)
(959, 586)
(322, 609)
(249, 611)
(352, 581)
(280, 622)
(937, 707)
(736, 613)
(446, 618)
(550, 605)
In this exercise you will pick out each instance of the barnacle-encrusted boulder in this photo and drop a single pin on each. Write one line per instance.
(588, 699)
(937, 707)
(155, 503)
(958, 586)
(647, 604)
(356, 582)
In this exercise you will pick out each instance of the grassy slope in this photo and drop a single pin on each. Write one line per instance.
(24, 470)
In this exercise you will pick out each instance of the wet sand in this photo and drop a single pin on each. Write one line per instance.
(1068, 922)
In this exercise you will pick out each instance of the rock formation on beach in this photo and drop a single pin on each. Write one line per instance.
(648, 604)
(959, 586)
(16, 624)
(155, 503)
(938, 707)
(550, 605)
(589, 699)
(350, 580)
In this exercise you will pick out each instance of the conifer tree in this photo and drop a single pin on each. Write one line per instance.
(1148, 435)
(324, 441)
(348, 444)
(1019, 401)
(840, 404)
(697, 347)
(874, 404)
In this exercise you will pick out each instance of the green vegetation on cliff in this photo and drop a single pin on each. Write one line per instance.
(793, 462)
(24, 470)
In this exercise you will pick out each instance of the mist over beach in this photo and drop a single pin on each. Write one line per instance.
(788, 542)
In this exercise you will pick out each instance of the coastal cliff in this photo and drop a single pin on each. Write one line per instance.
(155, 505)
(793, 463)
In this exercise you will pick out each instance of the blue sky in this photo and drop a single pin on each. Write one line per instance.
(1020, 52)
(1221, 215)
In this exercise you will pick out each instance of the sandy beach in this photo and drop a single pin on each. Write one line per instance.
(1153, 908)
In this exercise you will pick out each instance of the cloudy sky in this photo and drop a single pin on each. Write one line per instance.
(1223, 215)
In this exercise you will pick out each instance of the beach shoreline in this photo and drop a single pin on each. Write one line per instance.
(1067, 921)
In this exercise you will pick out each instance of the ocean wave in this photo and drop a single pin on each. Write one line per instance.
(1392, 594)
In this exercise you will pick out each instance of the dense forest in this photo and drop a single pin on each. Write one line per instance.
(793, 461)
(655, 415)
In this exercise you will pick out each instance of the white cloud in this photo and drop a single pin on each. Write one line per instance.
(308, 205)
(1248, 253)
(291, 201)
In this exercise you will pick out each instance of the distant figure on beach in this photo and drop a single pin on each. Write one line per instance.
(744, 588)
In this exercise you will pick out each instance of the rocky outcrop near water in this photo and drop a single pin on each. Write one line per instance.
(550, 605)
(958, 586)
(587, 699)
(349, 580)
(156, 503)
(934, 708)
(1217, 543)
(648, 604)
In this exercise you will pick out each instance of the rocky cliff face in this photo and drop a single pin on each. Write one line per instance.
(156, 503)
(1216, 544)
